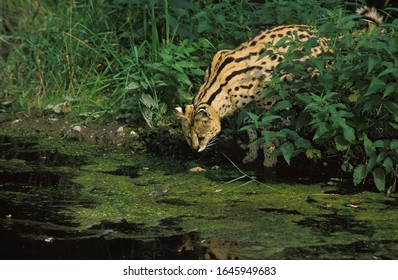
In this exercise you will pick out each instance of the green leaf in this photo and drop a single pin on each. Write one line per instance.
(322, 129)
(269, 119)
(198, 72)
(285, 132)
(183, 4)
(268, 52)
(380, 157)
(327, 81)
(388, 164)
(392, 108)
(346, 166)
(341, 143)
(313, 154)
(388, 71)
(372, 62)
(391, 88)
(282, 42)
(349, 24)
(253, 117)
(302, 120)
(368, 145)
(287, 150)
(349, 133)
(379, 178)
(359, 174)
(394, 125)
(133, 86)
(282, 105)
(187, 64)
(371, 163)
(178, 67)
(183, 78)
(203, 26)
(303, 143)
(394, 144)
(148, 116)
(375, 86)
(148, 101)
(320, 65)
(382, 143)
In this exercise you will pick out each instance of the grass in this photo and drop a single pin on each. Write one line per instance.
(133, 61)
(91, 52)
(64, 54)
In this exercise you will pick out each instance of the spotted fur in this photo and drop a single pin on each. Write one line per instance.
(236, 78)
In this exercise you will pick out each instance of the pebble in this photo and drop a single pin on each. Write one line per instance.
(134, 134)
(158, 192)
(77, 128)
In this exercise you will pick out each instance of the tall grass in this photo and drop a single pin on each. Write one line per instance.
(133, 60)
(102, 55)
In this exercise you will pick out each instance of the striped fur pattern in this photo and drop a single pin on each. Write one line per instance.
(236, 77)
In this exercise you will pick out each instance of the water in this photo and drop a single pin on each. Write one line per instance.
(68, 200)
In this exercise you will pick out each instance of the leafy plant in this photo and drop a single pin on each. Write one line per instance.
(348, 112)
(151, 109)
(133, 59)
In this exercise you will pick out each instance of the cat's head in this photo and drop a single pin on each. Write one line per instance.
(199, 124)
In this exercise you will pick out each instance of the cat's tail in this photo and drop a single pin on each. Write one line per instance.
(371, 15)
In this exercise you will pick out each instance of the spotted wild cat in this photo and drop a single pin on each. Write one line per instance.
(236, 77)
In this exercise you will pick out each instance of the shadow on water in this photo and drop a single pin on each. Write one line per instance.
(130, 171)
(179, 247)
(23, 149)
(384, 250)
(332, 223)
(36, 198)
(58, 205)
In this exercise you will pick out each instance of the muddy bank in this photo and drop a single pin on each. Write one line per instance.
(168, 142)
(93, 133)
(163, 141)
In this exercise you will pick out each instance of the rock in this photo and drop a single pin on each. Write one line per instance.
(134, 134)
(120, 132)
(158, 192)
(77, 128)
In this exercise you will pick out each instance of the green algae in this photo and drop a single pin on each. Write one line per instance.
(110, 187)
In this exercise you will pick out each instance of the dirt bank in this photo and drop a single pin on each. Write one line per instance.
(112, 133)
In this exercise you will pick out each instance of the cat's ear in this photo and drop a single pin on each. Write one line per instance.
(184, 112)
(202, 114)
(179, 111)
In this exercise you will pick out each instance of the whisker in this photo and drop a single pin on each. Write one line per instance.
(212, 142)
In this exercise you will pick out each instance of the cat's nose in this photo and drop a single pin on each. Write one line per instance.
(196, 149)
(201, 149)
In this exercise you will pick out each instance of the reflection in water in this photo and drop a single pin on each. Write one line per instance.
(213, 248)
(33, 194)
(57, 205)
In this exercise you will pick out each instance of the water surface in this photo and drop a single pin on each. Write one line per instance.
(67, 200)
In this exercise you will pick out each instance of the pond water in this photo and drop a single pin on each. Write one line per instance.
(67, 200)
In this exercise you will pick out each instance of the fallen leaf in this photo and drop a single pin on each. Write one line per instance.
(49, 239)
(354, 201)
(197, 169)
(352, 205)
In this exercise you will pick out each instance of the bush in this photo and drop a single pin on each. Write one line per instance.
(350, 111)
(138, 59)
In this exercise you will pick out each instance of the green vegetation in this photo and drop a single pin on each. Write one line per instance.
(97, 58)
(63, 191)
(350, 111)
(135, 60)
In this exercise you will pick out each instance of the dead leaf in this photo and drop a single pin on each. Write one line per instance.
(197, 169)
